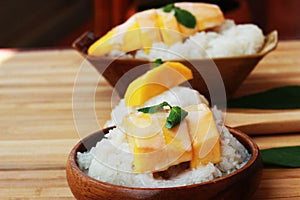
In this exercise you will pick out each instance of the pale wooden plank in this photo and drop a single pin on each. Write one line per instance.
(36, 97)
(282, 140)
(253, 121)
(35, 154)
(282, 173)
(279, 184)
(37, 193)
(275, 184)
(50, 128)
(31, 184)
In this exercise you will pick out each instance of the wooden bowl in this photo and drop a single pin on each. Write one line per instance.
(233, 70)
(240, 184)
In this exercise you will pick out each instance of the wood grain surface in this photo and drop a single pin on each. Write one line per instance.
(40, 121)
(280, 68)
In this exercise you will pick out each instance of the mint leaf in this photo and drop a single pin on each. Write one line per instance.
(185, 18)
(155, 108)
(175, 117)
(287, 97)
(282, 156)
(158, 62)
(168, 8)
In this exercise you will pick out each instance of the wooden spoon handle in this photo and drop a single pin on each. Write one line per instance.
(264, 122)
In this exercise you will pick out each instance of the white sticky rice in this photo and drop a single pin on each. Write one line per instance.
(227, 40)
(111, 160)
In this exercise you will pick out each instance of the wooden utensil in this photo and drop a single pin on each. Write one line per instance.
(264, 121)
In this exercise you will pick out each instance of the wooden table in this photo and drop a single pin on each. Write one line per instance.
(37, 129)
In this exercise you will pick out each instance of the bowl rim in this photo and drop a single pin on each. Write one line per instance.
(247, 141)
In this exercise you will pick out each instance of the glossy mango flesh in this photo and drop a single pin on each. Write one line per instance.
(147, 27)
(156, 81)
(207, 16)
(204, 135)
(143, 132)
(125, 37)
(169, 27)
(156, 147)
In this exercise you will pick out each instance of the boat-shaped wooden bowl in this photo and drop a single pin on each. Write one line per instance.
(233, 70)
(240, 184)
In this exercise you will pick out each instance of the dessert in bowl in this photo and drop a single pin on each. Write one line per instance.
(213, 42)
(166, 143)
(240, 184)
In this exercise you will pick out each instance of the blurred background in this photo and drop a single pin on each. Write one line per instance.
(56, 23)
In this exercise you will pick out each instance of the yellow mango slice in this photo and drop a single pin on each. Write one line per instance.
(146, 141)
(131, 35)
(207, 15)
(168, 27)
(154, 146)
(178, 144)
(183, 29)
(103, 45)
(154, 25)
(156, 81)
(149, 28)
(204, 134)
(146, 128)
(125, 37)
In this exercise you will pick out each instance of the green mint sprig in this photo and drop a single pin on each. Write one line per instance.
(154, 109)
(184, 17)
(175, 116)
(158, 62)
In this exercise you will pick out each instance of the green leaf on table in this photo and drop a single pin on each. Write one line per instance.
(287, 97)
(176, 115)
(282, 156)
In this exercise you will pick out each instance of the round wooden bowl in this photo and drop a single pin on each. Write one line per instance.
(240, 184)
(232, 70)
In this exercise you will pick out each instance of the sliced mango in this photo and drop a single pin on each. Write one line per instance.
(149, 28)
(104, 45)
(146, 141)
(204, 134)
(125, 37)
(183, 29)
(156, 148)
(156, 81)
(131, 35)
(168, 27)
(154, 25)
(207, 15)
(178, 144)
(146, 128)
